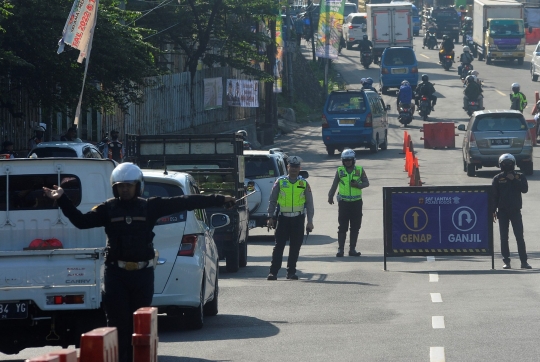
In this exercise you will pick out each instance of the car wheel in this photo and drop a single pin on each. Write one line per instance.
(534, 77)
(330, 150)
(375, 147)
(195, 316)
(232, 258)
(384, 90)
(527, 168)
(349, 46)
(243, 254)
(211, 308)
(488, 60)
(384, 146)
(471, 170)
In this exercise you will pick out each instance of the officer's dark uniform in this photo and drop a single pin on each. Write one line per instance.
(507, 203)
(295, 201)
(129, 272)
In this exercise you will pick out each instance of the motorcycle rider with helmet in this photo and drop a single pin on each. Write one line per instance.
(473, 91)
(405, 95)
(427, 89)
(129, 219)
(447, 47)
(351, 179)
(507, 188)
(518, 99)
(368, 84)
(431, 28)
(465, 58)
(365, 45)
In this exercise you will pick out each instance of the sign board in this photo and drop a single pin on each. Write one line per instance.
(439, 220)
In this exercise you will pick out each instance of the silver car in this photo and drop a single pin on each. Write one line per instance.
(492, 133)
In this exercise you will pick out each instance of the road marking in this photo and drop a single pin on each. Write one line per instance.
(430, 258)
(436, 297)
(436, 354)
(501, 93)
(433, 277)
(437, 322)
(425, 56)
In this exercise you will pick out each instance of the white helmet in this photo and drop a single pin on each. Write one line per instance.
(515, 85)
(127, 173)
(475, 73)
(507, 159)
(348, 154)
(362, 81)
(466, 49)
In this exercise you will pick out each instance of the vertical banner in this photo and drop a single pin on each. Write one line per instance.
(79, 28)
(278, 67)
(213, 93)
(329, 28)
(243, 93)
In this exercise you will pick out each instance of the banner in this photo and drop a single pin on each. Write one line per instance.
(79, 28)
(329, 29)
(278, 67)
(213, 93)
(242, 93)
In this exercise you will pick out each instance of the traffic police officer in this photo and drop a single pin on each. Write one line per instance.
(507, 189)
(351, 180)
(129, 256)
(292, 195)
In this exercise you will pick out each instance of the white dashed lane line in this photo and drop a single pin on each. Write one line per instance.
(437, 322)
(433, 277)
(425, 56)
(436, 354)
(436, 297)
(501, 93)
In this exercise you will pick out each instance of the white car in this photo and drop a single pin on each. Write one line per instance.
(66, 149)
(186, 277)
(354, 28)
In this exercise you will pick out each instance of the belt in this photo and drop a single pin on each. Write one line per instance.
(292, 214)
(135, 265)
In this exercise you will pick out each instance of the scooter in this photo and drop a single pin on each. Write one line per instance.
(432, 42)
(366, 59)
(425, 107)
(405, 114)
(472, 106)
(447, 61)
(465, 68)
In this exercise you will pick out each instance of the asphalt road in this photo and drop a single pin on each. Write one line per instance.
(349, 309)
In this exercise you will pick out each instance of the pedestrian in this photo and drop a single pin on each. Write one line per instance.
(7, 149)
(518, 99)
(129, 256)
(351, 179)
(292, 195)
(39, 133)
(507, 189)
(71, 135)
(114, 149)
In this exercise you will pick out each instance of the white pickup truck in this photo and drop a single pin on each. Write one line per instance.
(49, 293)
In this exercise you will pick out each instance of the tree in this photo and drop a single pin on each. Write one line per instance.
(119, 62)
(216, 32)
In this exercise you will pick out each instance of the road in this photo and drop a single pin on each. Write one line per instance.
(349, 309)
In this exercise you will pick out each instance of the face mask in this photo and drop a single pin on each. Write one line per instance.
(507, 167)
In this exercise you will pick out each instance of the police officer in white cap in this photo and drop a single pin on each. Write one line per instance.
(292, 196)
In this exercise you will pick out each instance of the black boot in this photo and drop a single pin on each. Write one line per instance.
(352, 250)
(341, 244)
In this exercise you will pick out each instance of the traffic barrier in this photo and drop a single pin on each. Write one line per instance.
(44, 358)
(418, 180)
(439, 135)
(535, 108)
(405, 140)
(145, 336)
(99, 345)
(532, 37)
(65, 355)
(532, 131)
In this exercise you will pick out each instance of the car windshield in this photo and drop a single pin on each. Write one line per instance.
(260, 167)
(398, 57)
(346, 103)
(54, 152)
(358, 20)
(500, 124)
(506, 28)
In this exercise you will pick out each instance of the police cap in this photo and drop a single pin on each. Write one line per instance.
(294, 161)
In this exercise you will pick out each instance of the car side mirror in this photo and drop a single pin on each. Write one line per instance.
(304, 174)
(219, 220)
(461, 127)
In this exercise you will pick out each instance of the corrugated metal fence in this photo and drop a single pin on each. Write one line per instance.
(171, 105)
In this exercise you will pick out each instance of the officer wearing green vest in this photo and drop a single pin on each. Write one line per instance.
(351, 179)
(518, 99)
(292, 197)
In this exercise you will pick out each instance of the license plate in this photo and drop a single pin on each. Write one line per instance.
(15, 310)
(508, 54)
(472, 103)
(500, 142)
(347, 121)
(251, 224)
(399, 70)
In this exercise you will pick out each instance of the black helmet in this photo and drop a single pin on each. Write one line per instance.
(425, 78)
(365, 37)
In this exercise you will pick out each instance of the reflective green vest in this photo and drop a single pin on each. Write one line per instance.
(292, 196)
(346, 191)
(518, 98)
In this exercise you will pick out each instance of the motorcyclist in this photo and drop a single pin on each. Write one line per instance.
(368, 84)
(405, 95)
(431, 28)
(465, 58)
(427, 89)
(365, 44)
(473, 91)
(518, 99)
(447, 47)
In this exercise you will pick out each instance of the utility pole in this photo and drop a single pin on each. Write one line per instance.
(289, 47)
(269, 87)
(312, 33)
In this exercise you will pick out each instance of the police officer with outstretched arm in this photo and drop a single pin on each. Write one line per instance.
(292, 195)
(129, 255)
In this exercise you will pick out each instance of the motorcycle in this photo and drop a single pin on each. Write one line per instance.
(366, 59)
(425, 107)
(472, 106)
(465, 68)
(405, 114)
(432, 42)
(447, 61)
